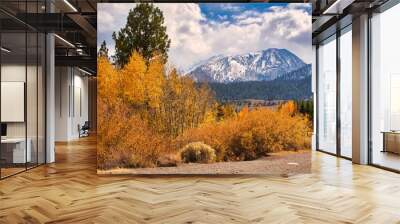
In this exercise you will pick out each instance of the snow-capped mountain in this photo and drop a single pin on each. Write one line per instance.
(265, 65)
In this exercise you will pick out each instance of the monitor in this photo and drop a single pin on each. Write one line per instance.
(3, 129)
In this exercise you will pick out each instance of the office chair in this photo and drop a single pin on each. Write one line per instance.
(84, 130)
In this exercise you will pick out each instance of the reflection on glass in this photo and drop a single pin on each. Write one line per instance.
(327, 97)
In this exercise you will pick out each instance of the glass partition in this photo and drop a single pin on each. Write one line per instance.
(22, 88)
(385, 89)
(327, 96)
(13, 95)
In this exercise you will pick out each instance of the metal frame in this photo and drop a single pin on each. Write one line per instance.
(338, 75)
(0, 89)
(316, 97)
(369, 98)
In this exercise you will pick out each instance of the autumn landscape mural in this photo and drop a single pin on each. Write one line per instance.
(204, 88)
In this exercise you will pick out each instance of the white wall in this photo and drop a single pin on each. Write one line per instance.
(62, 82)
(71, 94)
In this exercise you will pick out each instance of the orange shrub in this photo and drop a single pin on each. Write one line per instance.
(252, 134)
(127, 142)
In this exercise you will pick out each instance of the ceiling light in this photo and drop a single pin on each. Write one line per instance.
(337, 7)
(70, 5)
(86, 72)
(5, 50)
(65, 41)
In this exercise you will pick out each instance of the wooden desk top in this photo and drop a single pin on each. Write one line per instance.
(391, 132)
(13, 140)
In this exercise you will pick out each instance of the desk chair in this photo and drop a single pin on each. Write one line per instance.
(84, 130)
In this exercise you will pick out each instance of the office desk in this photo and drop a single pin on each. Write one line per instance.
(13, 150)
(391, 141)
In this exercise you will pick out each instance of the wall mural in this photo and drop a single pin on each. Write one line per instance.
(204, 88)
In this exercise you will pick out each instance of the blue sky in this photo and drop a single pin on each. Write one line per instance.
(200, 31)
(229, 10)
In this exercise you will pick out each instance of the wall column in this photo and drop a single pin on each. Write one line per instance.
(360, 90)
(50, 99)
(50, 92)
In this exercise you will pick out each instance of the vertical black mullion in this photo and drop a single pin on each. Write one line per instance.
(73, 92)
(317, 97)
(369, 88)
(338, 73)
(26, 85)
(45, 88)
(37, 88)
(1, 53)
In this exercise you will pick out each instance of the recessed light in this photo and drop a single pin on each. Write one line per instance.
(64, 40)
(70, 5)
(5, 50)
(86, 72)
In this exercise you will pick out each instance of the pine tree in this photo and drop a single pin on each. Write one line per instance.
(144, 33)
(103, 51)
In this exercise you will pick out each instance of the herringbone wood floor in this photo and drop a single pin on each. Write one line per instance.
(69, 191)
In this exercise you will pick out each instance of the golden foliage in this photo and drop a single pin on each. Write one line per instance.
(252, 134)
(140, 109)
(289, 108)
(145, 115)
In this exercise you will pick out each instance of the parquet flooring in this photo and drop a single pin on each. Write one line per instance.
(70, 191)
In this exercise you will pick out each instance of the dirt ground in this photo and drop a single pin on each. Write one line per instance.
(281, 163)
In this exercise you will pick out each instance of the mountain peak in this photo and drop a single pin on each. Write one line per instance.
(267, 64)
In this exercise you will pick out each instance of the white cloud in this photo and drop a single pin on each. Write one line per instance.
(194, 38)
(230, 7)
(111, 17)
